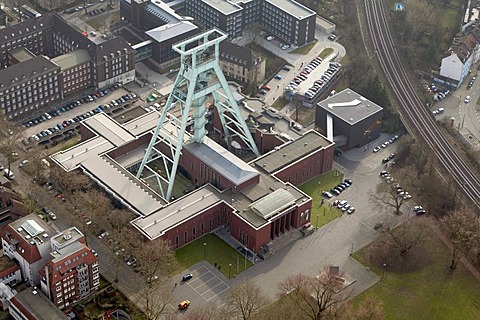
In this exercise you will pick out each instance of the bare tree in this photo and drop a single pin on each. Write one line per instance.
(315, 297)
(369, 309)
(10, 134)
(245, 299)
(205, 312)
(386, 196)
(69, 182)
(155, 299)
(463, 229)
(406, 236)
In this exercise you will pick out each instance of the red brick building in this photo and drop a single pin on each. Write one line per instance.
(256, 202)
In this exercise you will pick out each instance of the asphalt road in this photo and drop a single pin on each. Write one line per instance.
(466, 115)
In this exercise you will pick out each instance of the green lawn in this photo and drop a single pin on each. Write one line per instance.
(432, 292)
(325, 53)
(321, 213)
(305, 49)
(215, 251)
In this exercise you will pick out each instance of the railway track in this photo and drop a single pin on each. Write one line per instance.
(412, 107)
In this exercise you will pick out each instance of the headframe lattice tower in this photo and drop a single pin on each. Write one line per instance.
(199, 75)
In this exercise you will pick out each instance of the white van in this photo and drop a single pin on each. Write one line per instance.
(9, 174)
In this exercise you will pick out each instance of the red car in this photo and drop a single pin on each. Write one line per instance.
(265, 87)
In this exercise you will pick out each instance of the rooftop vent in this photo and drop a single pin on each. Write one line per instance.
(67, 235)
(19, 229)
(45, 235)
(27, 237)
(32, 242)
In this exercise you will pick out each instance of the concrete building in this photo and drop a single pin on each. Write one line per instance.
(241, 63)
(72, 273)
(34, 76)
(349, 119)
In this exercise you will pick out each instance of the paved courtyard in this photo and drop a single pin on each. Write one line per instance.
(206, 284)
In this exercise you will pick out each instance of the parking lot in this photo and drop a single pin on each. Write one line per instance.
(206, 284)
(78, 110)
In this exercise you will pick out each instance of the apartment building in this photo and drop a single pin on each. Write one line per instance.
(72, 273)
(27, 240)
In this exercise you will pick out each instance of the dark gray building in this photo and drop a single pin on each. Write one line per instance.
(355, 120)
(286, 19)
(161, 28)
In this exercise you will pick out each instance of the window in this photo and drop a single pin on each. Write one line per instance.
(186, 236)
(203, 227)
(194, 231)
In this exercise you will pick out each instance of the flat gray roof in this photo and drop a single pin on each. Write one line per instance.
(222, 160)
(109, 129)
(292, 152)
(71, 59)
(21, 54)
(123, 185)
(224, 6)
(163, 11)
(171, 30)
(349, 106)
(177, 212)
(292, 7)
(62, 253)
(74, 157)
(39, 305)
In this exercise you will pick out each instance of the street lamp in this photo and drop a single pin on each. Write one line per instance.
(229, 270)
(384, 267)
(204, 251)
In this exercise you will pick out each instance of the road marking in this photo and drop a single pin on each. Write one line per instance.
(205, 282)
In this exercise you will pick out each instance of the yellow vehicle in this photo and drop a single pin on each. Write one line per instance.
(184, 304)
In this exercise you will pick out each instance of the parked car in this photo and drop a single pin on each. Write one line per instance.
(187, 277)
(326, 194)
(376, 149)
(184, 304)
(332, 37)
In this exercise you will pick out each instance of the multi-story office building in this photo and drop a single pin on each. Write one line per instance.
(29, 85)
(225, 15)
(161, 27)
(286, 19)
(35, 72)
(289, 21)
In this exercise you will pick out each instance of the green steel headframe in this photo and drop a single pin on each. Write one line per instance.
(199, 76)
